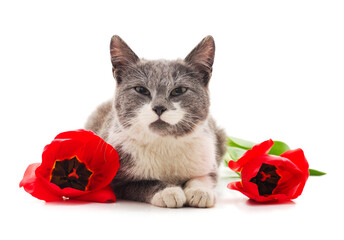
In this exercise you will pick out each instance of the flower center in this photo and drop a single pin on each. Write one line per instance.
(71, 173)
(266, 179)
(264, 176)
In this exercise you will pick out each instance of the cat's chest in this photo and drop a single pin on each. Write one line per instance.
(173, 159)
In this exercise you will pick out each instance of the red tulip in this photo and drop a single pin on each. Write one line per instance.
(75, 165)
(268, 177)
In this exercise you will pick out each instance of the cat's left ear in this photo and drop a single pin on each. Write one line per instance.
(202, 58)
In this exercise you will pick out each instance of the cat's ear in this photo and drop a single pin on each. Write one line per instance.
(121, 56)
(202, 58)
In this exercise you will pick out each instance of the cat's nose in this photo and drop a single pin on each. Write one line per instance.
(159, 110)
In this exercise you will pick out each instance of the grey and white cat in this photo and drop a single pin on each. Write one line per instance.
(159, 122)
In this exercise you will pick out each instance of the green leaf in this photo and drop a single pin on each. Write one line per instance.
(313, 172)
(278, 148)
(227, 157)
(237, 147)
(239, 143)
(235, 153)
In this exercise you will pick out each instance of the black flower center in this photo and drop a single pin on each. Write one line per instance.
(70, 173)
(266, 179)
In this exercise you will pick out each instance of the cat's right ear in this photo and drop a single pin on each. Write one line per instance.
(121, 56)
(202, 58)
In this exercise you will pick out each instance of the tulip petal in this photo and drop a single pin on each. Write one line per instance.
(299, 189)
(236, 186)
(78, 135)
(98, 156)
(258, 150)
(33, 185)
(104, 195)
(84, 158)
(298, 158)
(103, 160)
(57, 150)
(270, 177)
(270, 198)
(276, 197)
(294, 178)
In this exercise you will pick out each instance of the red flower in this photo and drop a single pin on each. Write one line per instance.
(268, 177)
(75, 165)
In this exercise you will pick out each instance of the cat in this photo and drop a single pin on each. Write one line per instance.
(159, 123)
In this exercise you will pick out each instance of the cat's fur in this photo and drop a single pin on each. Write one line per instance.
(169, 146)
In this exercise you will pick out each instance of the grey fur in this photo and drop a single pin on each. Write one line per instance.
(159, 77)
(141, 191)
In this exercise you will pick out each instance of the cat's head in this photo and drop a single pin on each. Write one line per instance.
(164, 97)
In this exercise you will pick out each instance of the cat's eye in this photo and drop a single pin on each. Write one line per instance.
(142, 90)
(178, 91)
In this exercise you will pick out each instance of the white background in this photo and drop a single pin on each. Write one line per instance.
(278, 74)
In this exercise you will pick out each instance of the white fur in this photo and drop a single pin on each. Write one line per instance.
(146, 116)
(173, 116)
(171, 197)
(200, 197)
(200, 192)
(167, 158)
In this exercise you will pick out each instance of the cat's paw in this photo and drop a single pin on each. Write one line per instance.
(171, 197)
(200, 197)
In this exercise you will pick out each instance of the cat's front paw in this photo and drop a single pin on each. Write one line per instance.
(171, 197)
(200, 197)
